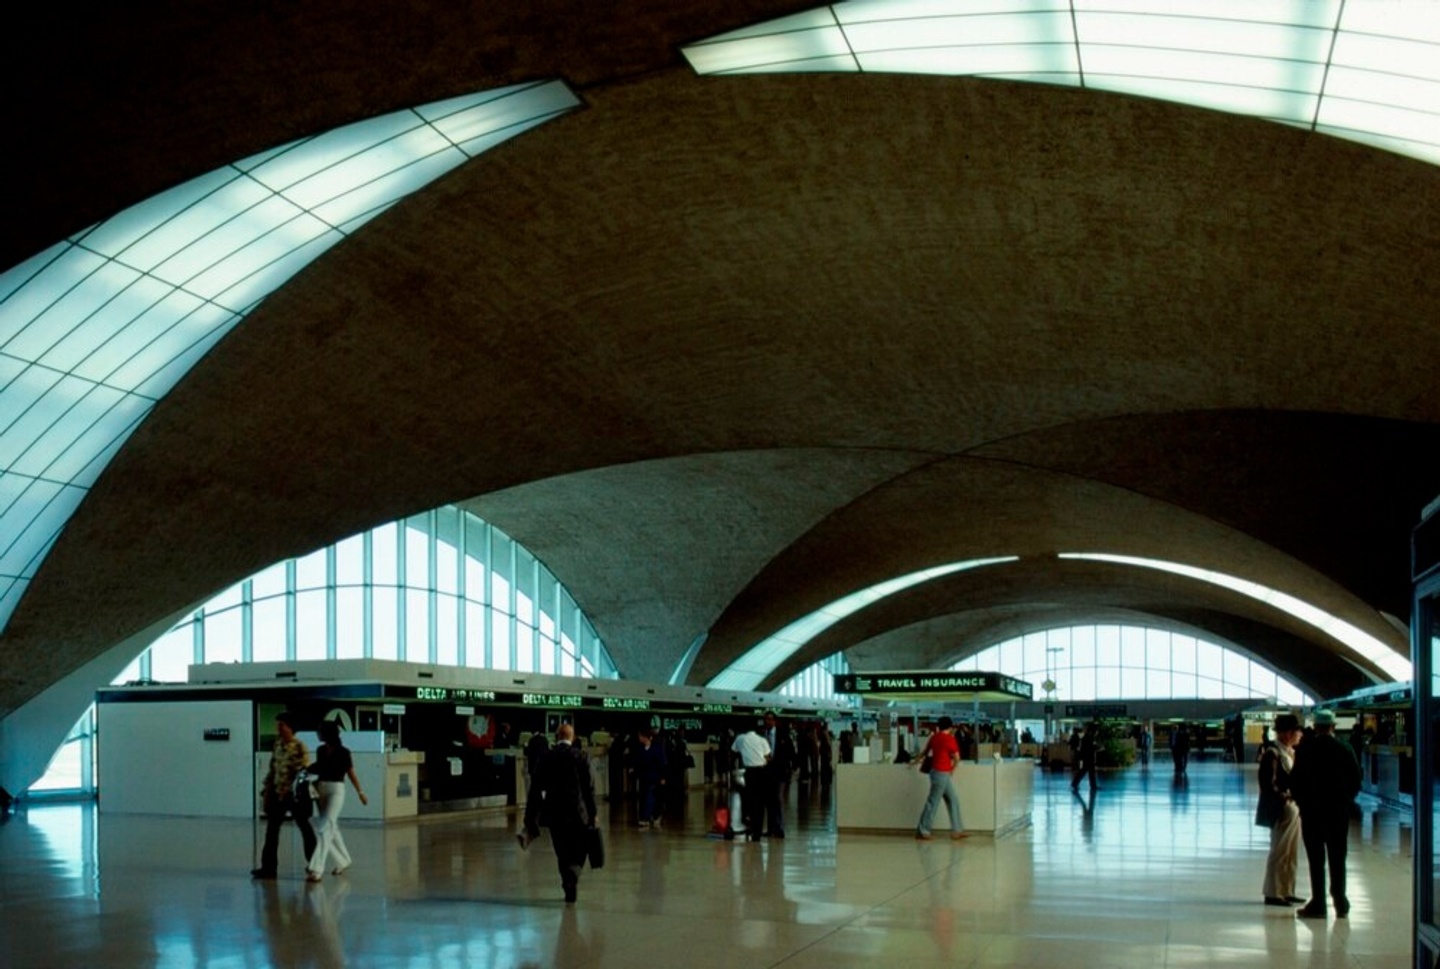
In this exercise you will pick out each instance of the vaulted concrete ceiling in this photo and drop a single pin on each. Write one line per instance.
(721, 350)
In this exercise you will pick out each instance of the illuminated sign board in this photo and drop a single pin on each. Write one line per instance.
(714, 708)
(932, 682)
(624, 703)
(551, 700)
(454, 695)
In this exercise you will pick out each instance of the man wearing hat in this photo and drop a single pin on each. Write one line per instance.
(1324, 782)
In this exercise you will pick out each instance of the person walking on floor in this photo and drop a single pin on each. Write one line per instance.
(562, 798)
(1276, 810)
(1180, 747)
(288, 758)
(649, 770)
(1324, 782)
(333, 766)
(942, 755)
(1085, 758)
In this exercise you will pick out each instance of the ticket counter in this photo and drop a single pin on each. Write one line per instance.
(995, 796)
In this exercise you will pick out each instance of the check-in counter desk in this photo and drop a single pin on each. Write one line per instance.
(995, 796)
(1390, 773)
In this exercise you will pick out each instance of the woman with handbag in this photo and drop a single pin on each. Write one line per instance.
(333, 766)
(941, 757)
(1277, 811)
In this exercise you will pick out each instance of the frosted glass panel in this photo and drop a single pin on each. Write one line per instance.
(1266, 58)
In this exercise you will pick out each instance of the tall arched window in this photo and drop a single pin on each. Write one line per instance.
(1112, 662)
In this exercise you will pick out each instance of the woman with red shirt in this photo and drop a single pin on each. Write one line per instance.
(942, 754)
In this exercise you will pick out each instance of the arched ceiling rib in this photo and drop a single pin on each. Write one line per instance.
(692, 266)
(944, 621)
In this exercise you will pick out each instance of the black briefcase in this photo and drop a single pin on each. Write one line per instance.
(595, 847)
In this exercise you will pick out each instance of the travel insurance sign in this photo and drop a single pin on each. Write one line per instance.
(934, 684)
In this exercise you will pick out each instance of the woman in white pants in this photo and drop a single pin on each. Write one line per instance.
(333, 765)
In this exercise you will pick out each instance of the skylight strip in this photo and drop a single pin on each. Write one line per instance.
(202, 259)
(1359, 641)
(124, 306)
(383, 190)
(219, 281)
(211, 205)
(756, 52)
(160, 337)
(263, 277)
(136, 408)
(1422, 151)
(1217, 53)
(12, 589)
(376, 161)
(746, 672)
(959, 31)
(95, 329)
(1054, 60)
(67, 316)
(76, 463)
(75, 414)
(41, 292)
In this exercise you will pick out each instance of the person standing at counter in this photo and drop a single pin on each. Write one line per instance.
(754, 753)
(1324, 781)
(942, 755)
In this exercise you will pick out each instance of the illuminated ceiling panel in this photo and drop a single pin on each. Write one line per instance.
(761, 659)
(97, 329)
(1367, 72)
(1358, 641)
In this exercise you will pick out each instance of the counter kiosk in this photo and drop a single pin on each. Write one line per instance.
(995, 794)
(428, 738)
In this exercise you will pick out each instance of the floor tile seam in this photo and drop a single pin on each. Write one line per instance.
(852, 920)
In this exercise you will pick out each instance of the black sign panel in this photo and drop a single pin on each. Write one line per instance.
(932, 682)
(1095, 710)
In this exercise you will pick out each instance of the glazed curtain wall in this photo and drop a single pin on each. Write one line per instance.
(443, 587)
(1133, 663)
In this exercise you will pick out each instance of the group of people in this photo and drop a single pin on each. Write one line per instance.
(283, 795)
(1308, 783)
(763, 756)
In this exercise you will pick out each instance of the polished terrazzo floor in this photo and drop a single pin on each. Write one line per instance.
(1151, 874)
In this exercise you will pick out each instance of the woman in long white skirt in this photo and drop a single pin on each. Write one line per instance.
(1277, 810)
(333, 766)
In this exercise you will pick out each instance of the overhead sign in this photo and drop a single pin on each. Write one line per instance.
(934, 684)
(1096, 710)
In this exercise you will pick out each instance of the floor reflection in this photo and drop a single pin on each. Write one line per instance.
(1146, 871)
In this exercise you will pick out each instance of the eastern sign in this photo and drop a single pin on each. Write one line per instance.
(932, 682)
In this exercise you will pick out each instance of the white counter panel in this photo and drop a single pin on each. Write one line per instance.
(994, 796)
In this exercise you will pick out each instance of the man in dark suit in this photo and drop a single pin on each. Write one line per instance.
(1324, 782)
(562, 798)
(777, 773)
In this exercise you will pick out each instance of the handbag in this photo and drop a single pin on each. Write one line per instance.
(595, 848)
(927, 762)
(302, 798)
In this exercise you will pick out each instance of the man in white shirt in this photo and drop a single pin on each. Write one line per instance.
(754, 753)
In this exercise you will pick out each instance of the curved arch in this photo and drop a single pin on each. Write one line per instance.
(1353, 70)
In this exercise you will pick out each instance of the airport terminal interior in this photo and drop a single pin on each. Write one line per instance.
(721, 351)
